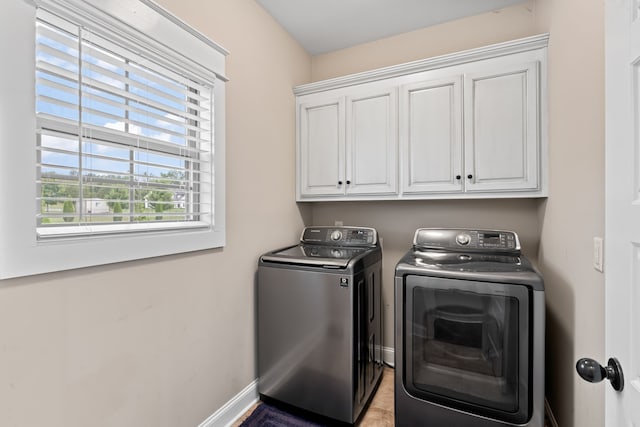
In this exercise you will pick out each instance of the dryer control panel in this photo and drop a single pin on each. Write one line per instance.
(466, 239)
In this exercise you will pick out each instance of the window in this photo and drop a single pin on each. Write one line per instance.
(127, 146)
(124, 144)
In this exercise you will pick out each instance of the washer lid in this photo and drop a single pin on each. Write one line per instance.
(316, 255)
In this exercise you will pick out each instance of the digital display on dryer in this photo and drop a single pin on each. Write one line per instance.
(491, 238)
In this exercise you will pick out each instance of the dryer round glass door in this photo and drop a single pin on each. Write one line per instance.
(466, 345)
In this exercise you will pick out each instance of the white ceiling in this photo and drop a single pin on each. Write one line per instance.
(322, 26)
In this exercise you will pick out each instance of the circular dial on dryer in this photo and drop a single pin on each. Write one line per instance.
(463, 239)
(336, 235)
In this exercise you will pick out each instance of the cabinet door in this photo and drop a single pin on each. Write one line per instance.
(372, 142)
(431, 136)
(501, 128)
(321, 145)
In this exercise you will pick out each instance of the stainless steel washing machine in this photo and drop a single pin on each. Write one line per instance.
(469, 324)
(319, 321)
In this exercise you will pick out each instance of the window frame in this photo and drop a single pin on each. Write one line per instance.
(22, 253)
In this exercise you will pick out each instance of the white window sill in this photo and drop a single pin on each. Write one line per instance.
(88, 231)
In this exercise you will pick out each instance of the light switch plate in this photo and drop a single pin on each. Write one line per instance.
(598, 253)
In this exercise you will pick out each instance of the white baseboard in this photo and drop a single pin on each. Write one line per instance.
(388, 356)
(234, 408)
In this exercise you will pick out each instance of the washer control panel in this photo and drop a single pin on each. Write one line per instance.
(466, 239)
(340, 236)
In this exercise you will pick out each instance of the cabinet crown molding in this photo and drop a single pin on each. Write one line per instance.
(485, 52)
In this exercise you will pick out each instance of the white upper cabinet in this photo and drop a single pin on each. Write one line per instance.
(347, 143)
(371, 146)
(431, 135)
(501, 128)
(321, 125)
(465, 125)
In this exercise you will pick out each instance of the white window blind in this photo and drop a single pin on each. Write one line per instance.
(125, 143)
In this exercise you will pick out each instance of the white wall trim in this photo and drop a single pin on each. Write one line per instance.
(234, 408)
(388, 356)
(188, 28)
(143, 23)
(494, 50)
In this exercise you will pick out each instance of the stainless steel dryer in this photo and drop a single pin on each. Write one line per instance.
(469, 323)
(319, 321)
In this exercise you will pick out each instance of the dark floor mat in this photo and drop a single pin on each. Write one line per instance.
(269, 416)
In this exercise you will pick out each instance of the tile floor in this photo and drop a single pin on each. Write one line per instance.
(379, 413)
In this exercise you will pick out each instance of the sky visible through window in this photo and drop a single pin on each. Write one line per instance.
(141, 130)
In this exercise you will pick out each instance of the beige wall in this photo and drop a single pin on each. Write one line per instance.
(558, 230)
(497, 26)
(574, 212)
(168, 341)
